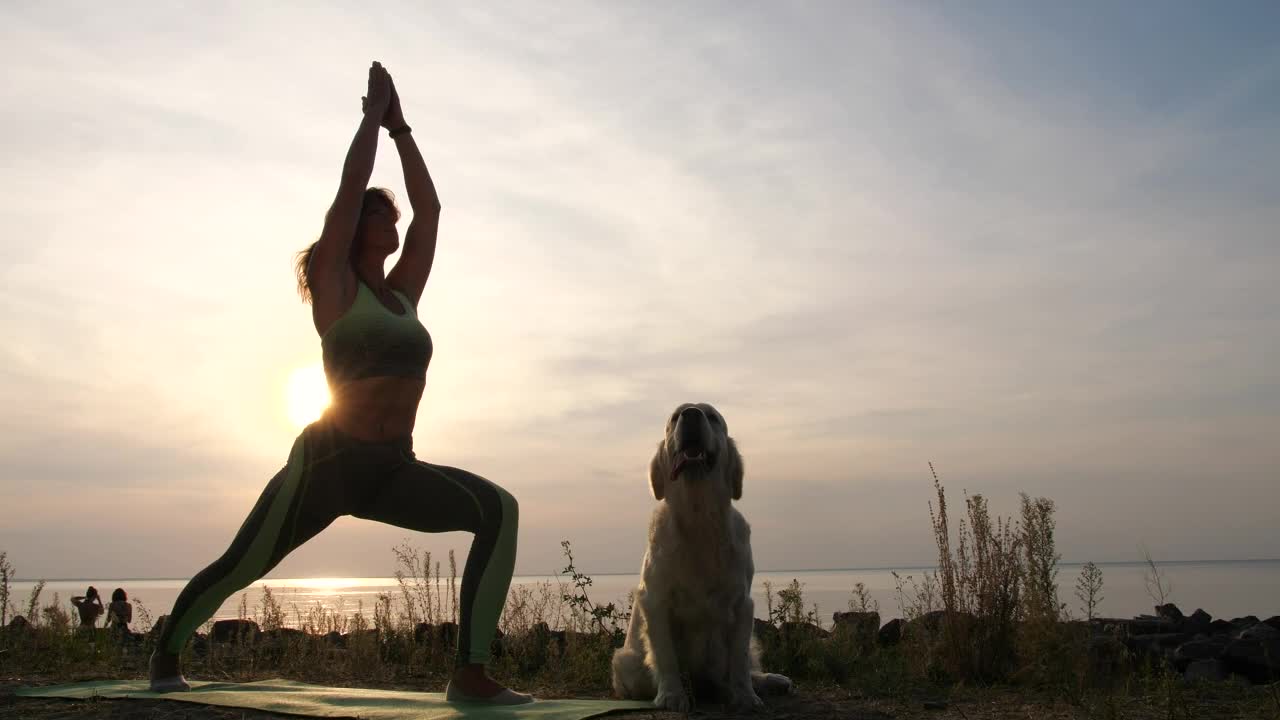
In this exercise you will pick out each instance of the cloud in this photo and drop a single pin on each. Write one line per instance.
(874, 236)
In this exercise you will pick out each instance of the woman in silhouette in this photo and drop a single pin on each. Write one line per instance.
(90, 607)
(119, 612)
(358, 458)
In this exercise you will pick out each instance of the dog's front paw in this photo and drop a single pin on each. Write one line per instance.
(745, 700)
(672, 700)
(770, 684)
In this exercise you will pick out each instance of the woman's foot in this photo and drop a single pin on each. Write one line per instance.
(470, 683)
(166, 673)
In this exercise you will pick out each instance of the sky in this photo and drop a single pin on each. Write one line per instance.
(1034, 244)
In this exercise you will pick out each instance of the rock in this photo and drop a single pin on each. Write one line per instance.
(1221, 627)
(1211, 670)
(933, 622)
(278, 642)
(540, 632)
(1170, 612)
(1157, 645)
(855, 619)
(234, 631)
(544, 638)
(368, 635)
(447, 634)
(1109, 626)
(579, 639)
(154, 633)
(860, 627)
(891, 633)
(1108, 657)
(284, 635)
(1273, 621)
(1196, 650)
(528, 649)
(1241, 623)
(765, 632)
(1197, 622)
(498, 646)
(1162, 641)
(444, 635)
(18, 630)
(1260, 631)
(558, 639)
(1077, 630)
(1150, 625)
(335, 638)
(802, 631)
(1257, 660)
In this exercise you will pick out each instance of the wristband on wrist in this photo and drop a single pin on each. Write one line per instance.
(402, 130)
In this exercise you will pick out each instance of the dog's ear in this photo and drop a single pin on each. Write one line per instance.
(734, 471)
(659, 471)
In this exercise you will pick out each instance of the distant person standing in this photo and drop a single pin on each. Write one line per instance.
(90, 607)
(120, 612)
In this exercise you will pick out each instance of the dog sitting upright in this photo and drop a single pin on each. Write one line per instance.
(693, 611)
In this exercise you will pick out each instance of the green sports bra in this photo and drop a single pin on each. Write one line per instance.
(371, 341)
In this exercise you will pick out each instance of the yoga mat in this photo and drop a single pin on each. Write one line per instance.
(286, 696)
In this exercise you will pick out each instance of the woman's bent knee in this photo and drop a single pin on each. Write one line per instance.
(510, 506)
(501, 500)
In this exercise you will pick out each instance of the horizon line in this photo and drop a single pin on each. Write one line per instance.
(889, 568)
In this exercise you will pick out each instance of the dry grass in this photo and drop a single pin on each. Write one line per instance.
(985, 634)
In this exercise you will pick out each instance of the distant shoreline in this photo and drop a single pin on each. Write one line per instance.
(884, 568)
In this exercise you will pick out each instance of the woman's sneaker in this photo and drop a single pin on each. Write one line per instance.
(166, 673)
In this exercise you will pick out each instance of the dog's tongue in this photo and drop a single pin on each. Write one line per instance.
(682, 459)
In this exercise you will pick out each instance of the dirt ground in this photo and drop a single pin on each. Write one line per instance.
(823, 705)
(793, 708)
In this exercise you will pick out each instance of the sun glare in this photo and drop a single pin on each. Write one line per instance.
(308, 394)
(324, 583)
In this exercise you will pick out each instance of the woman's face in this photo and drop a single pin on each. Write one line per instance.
(377, 231)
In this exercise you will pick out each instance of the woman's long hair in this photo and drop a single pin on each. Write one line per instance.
(302, 262)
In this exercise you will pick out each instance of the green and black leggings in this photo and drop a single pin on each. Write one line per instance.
(330, 474)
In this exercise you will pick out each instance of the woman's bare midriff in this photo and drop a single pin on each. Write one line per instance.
(377, 408)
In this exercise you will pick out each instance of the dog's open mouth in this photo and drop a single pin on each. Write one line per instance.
(689, 459)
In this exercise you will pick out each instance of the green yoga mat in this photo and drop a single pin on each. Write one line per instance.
(295, 698)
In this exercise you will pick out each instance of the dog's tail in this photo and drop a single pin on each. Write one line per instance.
(632, 678)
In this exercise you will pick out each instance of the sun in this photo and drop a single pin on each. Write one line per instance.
(307, 394)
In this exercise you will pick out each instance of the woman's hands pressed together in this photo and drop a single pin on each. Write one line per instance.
(379, 95)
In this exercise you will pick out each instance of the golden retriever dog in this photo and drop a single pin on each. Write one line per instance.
(693, 612)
